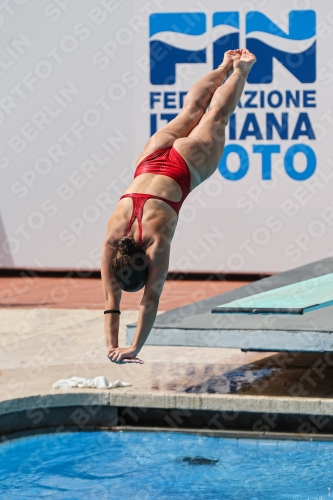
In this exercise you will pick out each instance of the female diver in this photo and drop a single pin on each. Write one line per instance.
(176, 159)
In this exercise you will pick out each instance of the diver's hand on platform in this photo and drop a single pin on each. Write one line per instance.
(122, 355)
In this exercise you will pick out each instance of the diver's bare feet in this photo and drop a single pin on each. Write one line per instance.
(245, 62)
(230, 57)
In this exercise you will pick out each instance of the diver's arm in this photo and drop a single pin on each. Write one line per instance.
(112, 296)
(158, 269)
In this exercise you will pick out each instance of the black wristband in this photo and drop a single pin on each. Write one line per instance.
(112, 311)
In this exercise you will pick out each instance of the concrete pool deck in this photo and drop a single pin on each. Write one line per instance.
(40, 345)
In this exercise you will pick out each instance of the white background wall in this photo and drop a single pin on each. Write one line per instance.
(74, 115)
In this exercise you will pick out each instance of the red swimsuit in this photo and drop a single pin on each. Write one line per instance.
(163, 161)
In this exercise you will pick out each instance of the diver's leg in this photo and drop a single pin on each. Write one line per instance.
(195, 105)
(203, 148)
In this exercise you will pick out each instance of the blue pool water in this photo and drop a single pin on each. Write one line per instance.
(163, 465)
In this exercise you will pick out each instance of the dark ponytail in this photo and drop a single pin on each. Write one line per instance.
(130, 264)
(127, 246)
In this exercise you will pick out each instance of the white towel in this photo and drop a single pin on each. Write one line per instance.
(93, 383)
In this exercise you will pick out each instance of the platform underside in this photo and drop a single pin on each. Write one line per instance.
(195, 325)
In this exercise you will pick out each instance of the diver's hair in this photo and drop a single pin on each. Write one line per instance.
(130, 264)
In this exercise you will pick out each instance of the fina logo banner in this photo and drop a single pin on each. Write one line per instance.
(267, 118)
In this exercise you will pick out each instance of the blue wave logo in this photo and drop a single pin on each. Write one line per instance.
(265, 35)
(226, 28)
(174, 36)
(171, 39)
